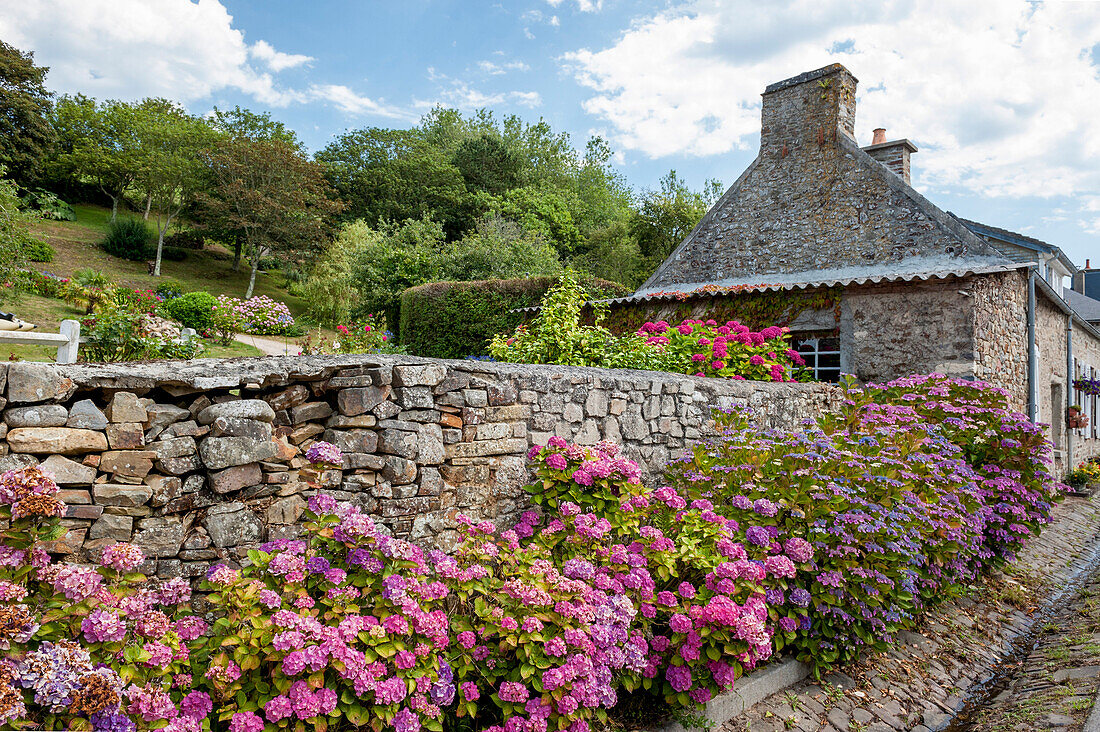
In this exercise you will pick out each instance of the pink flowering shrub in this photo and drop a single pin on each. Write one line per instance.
(732, 350)
(823, 543)
(901, 503)
(258, 315)
(85, 647)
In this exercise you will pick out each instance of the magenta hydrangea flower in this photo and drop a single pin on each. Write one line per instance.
(513, 691)
(122, 557)
(246, 722)
(196, 705)
(103, 626)
(324, 453)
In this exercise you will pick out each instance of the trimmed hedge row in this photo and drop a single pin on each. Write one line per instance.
(457, 319)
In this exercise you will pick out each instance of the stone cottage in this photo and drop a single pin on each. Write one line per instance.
(874, 279)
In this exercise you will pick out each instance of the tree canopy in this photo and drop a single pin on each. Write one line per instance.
(25, 129)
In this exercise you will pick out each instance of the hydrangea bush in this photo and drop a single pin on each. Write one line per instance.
(822, 542)
(258, 315)
(730, 350)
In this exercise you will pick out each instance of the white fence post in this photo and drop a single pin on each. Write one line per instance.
(66, 352)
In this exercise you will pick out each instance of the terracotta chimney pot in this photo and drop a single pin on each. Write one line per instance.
(880, 136)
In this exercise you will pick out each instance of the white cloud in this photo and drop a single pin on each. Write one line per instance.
(133, 48)
(461, 95)
(348, 101)
(495, 69)
(277, 60)
(999, 95)
(585, 6)
(179, 49)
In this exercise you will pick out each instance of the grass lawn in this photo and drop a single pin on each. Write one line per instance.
(77, 246)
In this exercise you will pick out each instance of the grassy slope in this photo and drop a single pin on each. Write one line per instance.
(76, 244)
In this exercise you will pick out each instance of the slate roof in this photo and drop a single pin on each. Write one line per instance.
(920, 269)
(1086, 307)
(1019, 240)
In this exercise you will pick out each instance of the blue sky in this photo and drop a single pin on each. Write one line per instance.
(1001, 96)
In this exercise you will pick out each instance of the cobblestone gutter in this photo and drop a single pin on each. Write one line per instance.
(928, 679)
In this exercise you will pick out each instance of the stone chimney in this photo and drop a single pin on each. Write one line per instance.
(894, 154)
(804, 113)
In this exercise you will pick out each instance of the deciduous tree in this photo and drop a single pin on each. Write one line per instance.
(273, 195)
(25, 131)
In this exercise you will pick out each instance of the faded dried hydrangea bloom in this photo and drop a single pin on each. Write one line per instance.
(324, 453)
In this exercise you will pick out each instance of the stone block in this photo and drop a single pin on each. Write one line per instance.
(160, 537)
(475, 397)
(343, 422)
(488, 447)
(310, 412)
(83, 511)
(356, 401)
(354, 440)
(306, 431)
(126, 407)
(241, 409)
(110, 526)
(397, 442)
(429, 438)
(238, 427)
(69, 543)
(164, 488)
(355, 460)
(450, 420)
(134, 463)
(398, 470)
(501, 393)
(39, 415)
(225, 452)
(385, 410)
(36, 382)
(285, 510)
(232, 525)
(56, 440)
(419, 374)
(73, 496)
(290, 397)
(407, 506)
(236, 478)
(163, 415)
(174, 447)
(115, 494)
(179, 465)
(125, 435)
(68, 472)
(414, 397)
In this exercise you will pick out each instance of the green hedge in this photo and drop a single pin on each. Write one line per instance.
(457, 319)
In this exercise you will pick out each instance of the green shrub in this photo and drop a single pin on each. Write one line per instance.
(169, 289)
(128, 239)
(88, 277)
(38, 251)
(193, 310)
(171, 254)
(185, 240)
(558, 335)
(49, 206)
(457, 319)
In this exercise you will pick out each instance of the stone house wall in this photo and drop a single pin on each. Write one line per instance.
(893, 330)
(999, 310)
(1050, 375)
(200, 461)
(1086, 351)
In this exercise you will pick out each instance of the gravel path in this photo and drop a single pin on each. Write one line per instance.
(269, 346)
(923, 683)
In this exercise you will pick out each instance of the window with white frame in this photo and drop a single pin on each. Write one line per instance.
(821, 352)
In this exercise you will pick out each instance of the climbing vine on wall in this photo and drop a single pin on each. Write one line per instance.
(754, 309)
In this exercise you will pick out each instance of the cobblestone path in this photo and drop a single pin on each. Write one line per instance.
(1054, 687)
(923, 683)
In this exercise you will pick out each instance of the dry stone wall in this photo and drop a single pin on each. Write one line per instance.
(199, 461)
